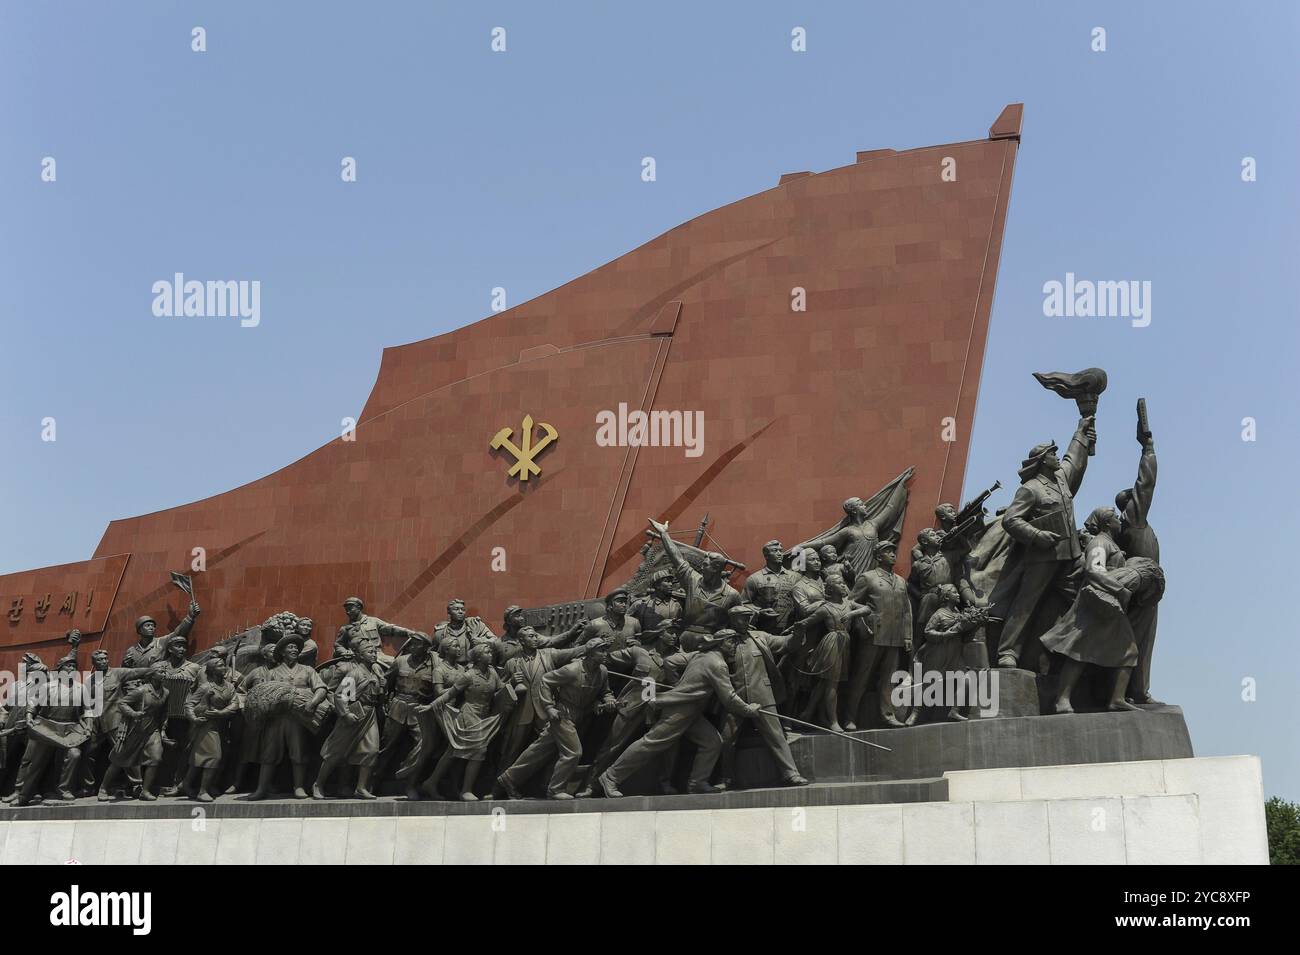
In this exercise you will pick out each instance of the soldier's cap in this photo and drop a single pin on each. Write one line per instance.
(715, 640)
(663, 573)
(597, 643)
(354, 600)
(1035, 456)
(141, 621)
(287, 639)
(743, 610)
(174, 639)
(421, 637)
(32, 662)
(887, 544)
(772, 543)
(620, 592)
(67, 660)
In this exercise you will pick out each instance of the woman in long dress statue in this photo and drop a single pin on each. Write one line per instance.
(355, 737)
(471, 728)
(827, 665)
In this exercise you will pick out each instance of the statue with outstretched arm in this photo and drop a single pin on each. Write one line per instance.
(1137, 538)
(1040, 520)
(708, 595)
(864, 523)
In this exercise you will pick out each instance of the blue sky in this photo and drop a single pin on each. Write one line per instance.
(522, 170)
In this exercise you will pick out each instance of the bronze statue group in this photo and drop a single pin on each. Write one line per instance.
(819, 636)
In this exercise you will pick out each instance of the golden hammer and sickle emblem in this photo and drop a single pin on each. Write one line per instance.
(524, 464)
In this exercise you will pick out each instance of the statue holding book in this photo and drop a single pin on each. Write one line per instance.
(1040, 522)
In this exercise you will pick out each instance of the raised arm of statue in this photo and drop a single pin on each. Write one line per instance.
(1075, 461)
(1144, 488)
(895, 506)
(673, 552)
(560, 639)
(839, 537)
(187, 624)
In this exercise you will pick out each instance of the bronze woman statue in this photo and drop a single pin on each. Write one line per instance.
(355, 737)
(209, 708)
(471, 728)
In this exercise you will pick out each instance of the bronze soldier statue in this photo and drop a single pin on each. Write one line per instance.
(107, 684)
(615, 627)
(361, 627)
(460, 633)
(776, 574)
(882, 637)
(512, 622)
(681, 716)
(644, 666)
(149, 649)
(708, 595)
(1040, 519)
(32, 674)
(757, 679)
(523, 672)
(568, 695)
(180, 675)
(58, 723)
(1137, 538)
(415, 679)
(658, 609)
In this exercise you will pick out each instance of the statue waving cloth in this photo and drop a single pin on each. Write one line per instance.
(473, 726)
(880, 517)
